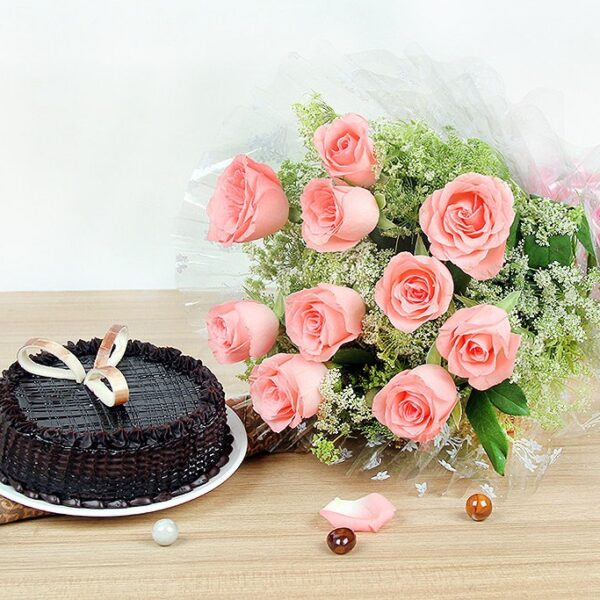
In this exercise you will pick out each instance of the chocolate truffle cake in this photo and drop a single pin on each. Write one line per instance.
(58, 442)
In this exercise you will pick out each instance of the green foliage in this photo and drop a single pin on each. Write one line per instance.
(559, 248)
(353, 356)
(433, 356)
(466, 302)
(459, 277)
(584, 235)
(311, 115)
(325, 449)
(513, 234)
(420, 248)
(509, 398)
(543, 218)
(509, 302)
(482, 416)
(506, 397)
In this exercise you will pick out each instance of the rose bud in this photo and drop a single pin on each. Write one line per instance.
(241, 330)
(346, 149)
(336, 217)
(248, 203)
(285, 390)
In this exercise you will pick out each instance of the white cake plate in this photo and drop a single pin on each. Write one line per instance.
(240, 445)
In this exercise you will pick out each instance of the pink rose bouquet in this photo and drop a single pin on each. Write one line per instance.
(403, 289)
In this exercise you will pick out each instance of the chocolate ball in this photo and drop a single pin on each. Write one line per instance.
(341, 540)
(479, 507)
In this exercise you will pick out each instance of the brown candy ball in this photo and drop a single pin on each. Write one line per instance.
(341, 540)
(479, 507)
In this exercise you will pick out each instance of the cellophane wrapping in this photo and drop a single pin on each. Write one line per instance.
(468, 96)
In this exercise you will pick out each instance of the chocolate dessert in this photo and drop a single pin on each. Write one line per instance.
(60, 443)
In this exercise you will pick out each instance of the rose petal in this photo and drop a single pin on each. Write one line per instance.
(369, 513)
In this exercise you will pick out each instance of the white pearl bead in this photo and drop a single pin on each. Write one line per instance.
(165, 532)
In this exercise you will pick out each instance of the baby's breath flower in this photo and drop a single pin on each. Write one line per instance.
(544, 218)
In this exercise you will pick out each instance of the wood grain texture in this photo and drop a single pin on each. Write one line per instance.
(260, 536)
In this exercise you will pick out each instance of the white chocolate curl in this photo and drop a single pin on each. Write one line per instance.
(109, 354)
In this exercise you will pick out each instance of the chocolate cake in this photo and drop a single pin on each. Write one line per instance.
(58, 442)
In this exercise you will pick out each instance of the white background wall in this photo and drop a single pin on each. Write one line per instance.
(106, 106)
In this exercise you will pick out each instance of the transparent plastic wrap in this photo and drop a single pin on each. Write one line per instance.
(467, 96)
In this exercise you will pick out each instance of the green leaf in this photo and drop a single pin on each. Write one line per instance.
(420, 248)
(384, 223)
(509, 302)
(389, 241)
(279, 305)
(522, 331)
(509, 398)
(353, 356)
(460, 278)
(295, 216)
(456, 415)
(380, 199)
(433, 356)
(584, 235)
(559, 249)
(466, 301)
(370, 395)
(511, 242)
(482, 416)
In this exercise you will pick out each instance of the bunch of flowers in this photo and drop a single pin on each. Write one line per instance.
(402, 285)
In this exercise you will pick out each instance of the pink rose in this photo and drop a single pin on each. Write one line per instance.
(336, 217)
(241, 330)
(551, 182)
(478, 344)
(414, 289)
(319, 320)
(346, 149)
(416, 403)
(468, 222)
(248, 203)
(285, 389)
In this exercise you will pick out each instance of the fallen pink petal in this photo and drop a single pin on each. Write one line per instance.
(369, 513)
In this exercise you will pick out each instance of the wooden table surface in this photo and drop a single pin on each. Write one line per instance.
(260, 536)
